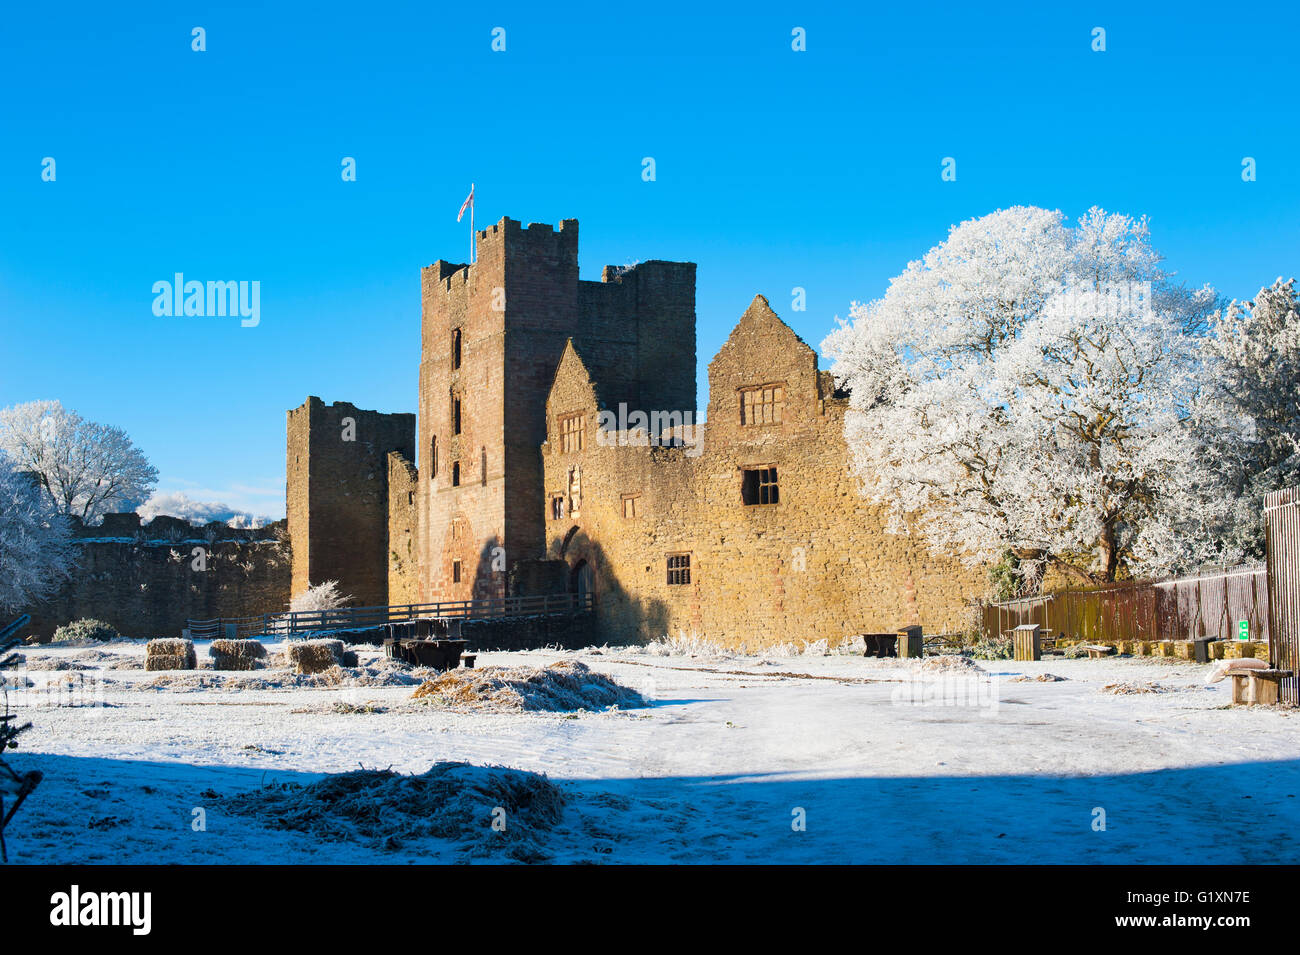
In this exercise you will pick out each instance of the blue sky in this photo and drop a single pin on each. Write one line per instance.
(775, 169)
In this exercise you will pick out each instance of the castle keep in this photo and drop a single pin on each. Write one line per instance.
(556, 447)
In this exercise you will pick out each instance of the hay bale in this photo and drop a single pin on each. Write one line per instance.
(1234, 650)
(170, 653)
(1142, 648)
(1165, 648)
(1125, 646)
(313, 656)
(236, 654)
(1258, 649)
(1184, 649)
(1217, 648)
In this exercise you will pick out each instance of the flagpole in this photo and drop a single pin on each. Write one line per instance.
(471, 223)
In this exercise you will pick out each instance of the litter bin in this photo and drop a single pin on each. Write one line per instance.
(910, 642)
(1027, 642)
(1201, 649)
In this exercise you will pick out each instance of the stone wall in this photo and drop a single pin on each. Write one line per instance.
(403, 564)
(817, 564)
(336, 496)
(511, 313)
(147, 580)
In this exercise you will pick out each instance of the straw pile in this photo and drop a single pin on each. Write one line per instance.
(561, 687)
(1040, 678)
(456, 802)
(949, 663)
(1130, 688)
(236, 654)
(170, 654)
(313, 656)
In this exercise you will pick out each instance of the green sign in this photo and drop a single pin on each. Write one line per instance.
(1243, 630)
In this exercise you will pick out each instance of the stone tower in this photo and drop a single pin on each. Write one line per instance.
(336, 495)
(492, 334)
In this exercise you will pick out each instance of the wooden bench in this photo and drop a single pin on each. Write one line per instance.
(1251, 686)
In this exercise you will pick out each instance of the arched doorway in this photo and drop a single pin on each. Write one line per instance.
(582, 580)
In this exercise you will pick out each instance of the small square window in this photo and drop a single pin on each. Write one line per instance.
(631, 506)
(759, 486)
(679, 569)
(557, 507)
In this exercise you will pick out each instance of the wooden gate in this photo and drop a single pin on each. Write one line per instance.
(1282, 527)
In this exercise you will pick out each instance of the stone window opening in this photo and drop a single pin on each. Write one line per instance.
(455, 474)
(679, 569)
(557, 507)
(631, 506)
(455, 413)
(455, 571)
(764, 404)
(571, 433)
(433, 455)
(482, 478)
(455, 349)
(759, 486)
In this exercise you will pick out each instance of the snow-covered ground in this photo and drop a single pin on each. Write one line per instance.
(806, 758)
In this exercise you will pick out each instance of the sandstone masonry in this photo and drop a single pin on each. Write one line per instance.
(536, 473)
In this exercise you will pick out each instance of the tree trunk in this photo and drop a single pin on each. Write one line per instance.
(1108, 551)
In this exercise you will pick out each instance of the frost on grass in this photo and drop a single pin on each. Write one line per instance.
(383, 672)
(1040, 678)
(1129, 688)
(456, 802)
(697, 645)
(949, 663)
(560, 687)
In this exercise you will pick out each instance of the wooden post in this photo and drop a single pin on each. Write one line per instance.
(1027, 639)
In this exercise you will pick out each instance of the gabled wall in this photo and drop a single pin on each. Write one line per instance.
(816, 565)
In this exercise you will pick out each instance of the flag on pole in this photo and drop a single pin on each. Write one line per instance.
(467, 204)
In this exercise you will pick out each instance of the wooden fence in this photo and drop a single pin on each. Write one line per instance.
(298, 622)
(1282, 529)
(1185, 608)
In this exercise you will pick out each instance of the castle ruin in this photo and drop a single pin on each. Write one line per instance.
(557, 446)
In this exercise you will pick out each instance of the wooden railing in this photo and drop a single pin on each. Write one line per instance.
(358, 618)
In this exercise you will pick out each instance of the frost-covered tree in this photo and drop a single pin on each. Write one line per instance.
(1251, 359)
(179, 504)
(1025, 390)
(323, 596)
(35, 556)
(86, 469)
